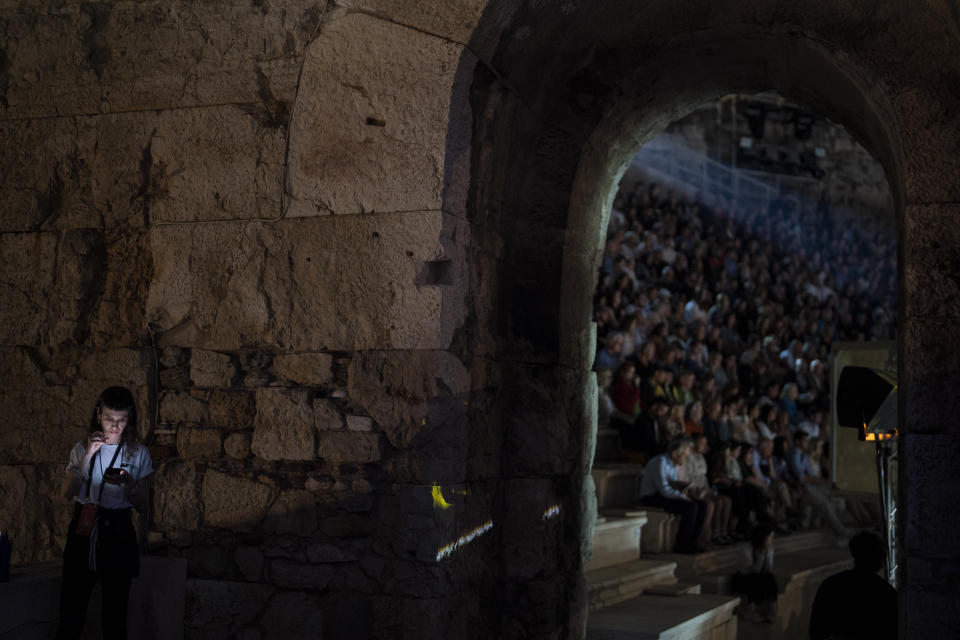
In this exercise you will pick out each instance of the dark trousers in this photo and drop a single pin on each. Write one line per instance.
(77, 582)
(691, 514)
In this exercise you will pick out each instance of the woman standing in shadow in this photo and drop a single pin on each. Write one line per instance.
(106, 476)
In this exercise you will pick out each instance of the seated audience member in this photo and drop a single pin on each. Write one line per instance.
(693, 422)
(605, 406)
(625, 395)
(755, 580)
(717, 517)
(775, 470)
(724, 472)
(647, 436)
(661, 487)
(675, 421)
(610, 356)
(856, 604)
(815, 486)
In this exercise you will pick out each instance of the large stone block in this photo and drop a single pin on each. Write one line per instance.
(193, 442)
(294, 512)
(211, 369)
(405, 392)
(24, 392)
(127, 57)
(214, 164)
(176, 497)
(233, 503)
(180, 407)
(356, 145)
(349, 446)
(282, 285)
(230, 410)
(308, 369)
(26, 286)
(284, 425)
(451, 21)
(931, 250)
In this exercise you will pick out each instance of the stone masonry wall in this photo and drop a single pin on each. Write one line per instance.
(230, 209)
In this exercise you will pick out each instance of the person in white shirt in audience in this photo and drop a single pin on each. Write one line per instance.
(661, 487)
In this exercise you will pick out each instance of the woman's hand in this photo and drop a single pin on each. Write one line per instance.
(96, 440)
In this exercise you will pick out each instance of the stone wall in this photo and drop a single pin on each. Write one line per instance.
(343, 254)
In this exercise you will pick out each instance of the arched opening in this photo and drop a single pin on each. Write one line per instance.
(692, 245)
(547, 189)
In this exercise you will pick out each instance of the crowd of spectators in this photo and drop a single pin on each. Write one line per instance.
(715, 326)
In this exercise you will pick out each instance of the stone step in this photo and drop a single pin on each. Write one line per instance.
(615, 540)
(676, 589)
(798, 575)
(608, 446)
(617, 484)
(609, 585)
(731, 557)
(660, 531)
(648, 617)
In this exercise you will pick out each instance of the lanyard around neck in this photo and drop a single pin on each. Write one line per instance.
(90, 472)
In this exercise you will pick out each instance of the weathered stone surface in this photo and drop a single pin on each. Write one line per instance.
(193, 442)
(349, 446)
(292, 616)
(325, 415)
(179, 407)
(293, 512)
(230, 410)
(397, 389)
(346, 526)
(328, 553)
(931, 167)
(308, 369)
(250, 561)
(354, 147)
(296, 575)
(211, 369)
(127, 57)
(237, 445)
(452, 21)
(203, 167)
(26, 285)
(359, 423)
(930, 488)
(18, 511)
(233, 503)
(25, 393)
(176, 497)
(282, 284)
(931, 282)
(218, 608)
(283, 428)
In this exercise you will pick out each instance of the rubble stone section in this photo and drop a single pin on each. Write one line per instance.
(284, 425)
(234, 503)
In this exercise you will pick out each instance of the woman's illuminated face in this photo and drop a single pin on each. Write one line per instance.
(113, 422)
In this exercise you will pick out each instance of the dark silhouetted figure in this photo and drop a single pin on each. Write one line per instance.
(857, 603)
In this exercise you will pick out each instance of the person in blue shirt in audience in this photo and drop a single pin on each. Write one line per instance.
(662, 488)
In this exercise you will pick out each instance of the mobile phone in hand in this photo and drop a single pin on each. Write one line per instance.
(113, 475)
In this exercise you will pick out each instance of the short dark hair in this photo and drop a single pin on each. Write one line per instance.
(117, 399)
(868, 551)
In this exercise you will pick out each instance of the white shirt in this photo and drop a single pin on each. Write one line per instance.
(134, 459)
(658, 473)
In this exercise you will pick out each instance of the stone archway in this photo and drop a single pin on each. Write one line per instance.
(555, 129)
